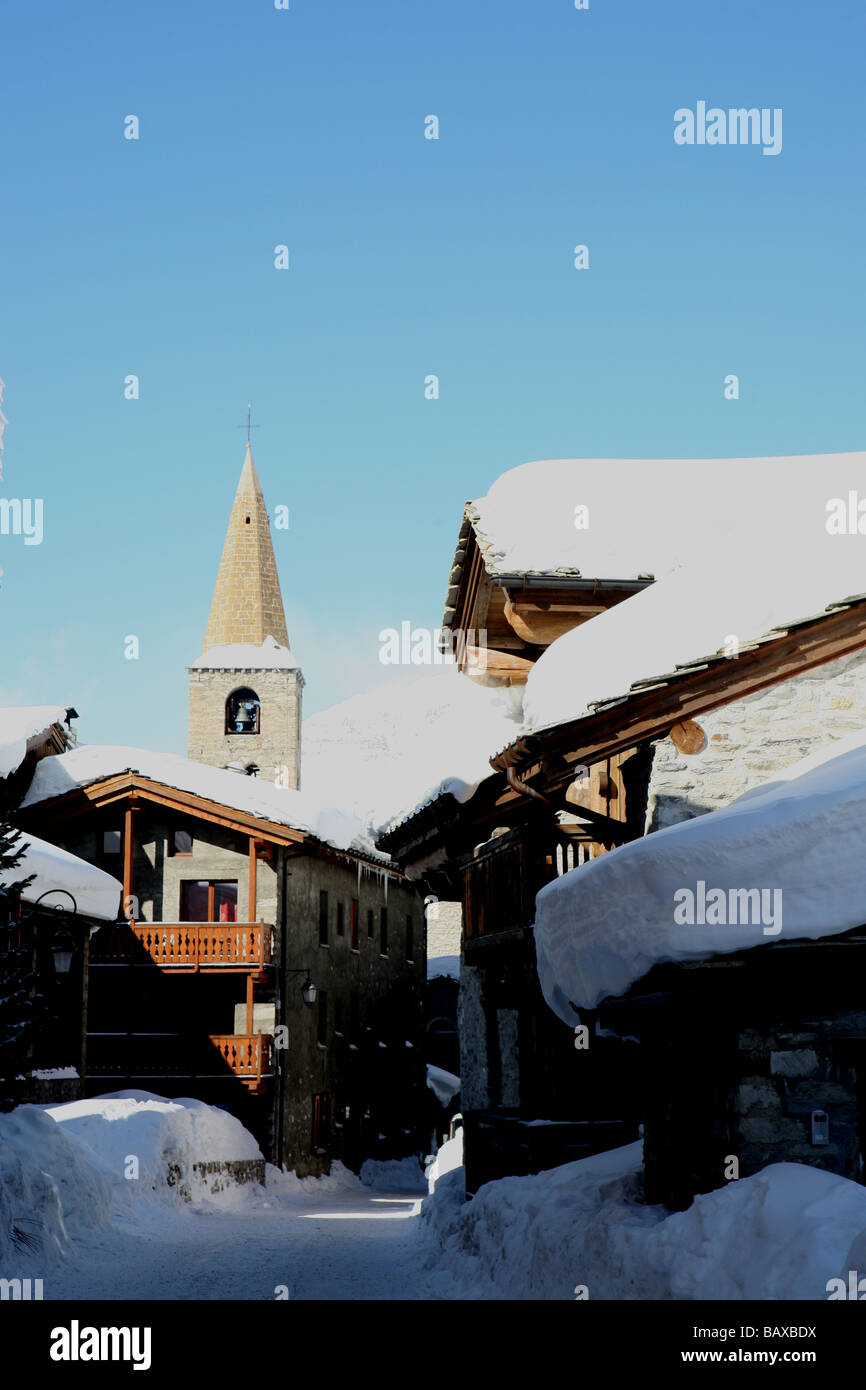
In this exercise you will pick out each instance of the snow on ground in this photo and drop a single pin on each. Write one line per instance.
(780, 1234)
(444, 1084)
(399, 745)
(18, 723)
(800, 840)
(88, 1233)
(393, 1174)
(58, 872)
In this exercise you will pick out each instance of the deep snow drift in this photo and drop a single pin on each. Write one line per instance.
(69, 1215)
(65, 1170)
(602, 926)
(581, 1231)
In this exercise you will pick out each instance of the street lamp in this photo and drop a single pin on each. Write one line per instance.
(62, 945)
(308, 989)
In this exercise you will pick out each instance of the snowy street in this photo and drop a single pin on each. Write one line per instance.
(339, 1245)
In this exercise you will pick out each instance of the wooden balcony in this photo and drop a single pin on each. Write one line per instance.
(152, 1057)
(195, 947)
(248, 1056)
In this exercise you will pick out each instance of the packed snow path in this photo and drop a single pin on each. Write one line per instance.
(359, 1244)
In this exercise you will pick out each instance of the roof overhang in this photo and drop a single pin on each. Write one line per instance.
(650, 708)
(132, 786)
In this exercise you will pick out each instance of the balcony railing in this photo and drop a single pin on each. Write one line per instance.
(160, 1056)
(247, 1055)
(192, 946)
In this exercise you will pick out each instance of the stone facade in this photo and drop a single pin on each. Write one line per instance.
(444, 929)
(359, 1052)
(276, 749)
(247, 605)
(247, 609)
(750, 739)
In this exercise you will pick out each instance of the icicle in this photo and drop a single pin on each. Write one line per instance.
(386, 877)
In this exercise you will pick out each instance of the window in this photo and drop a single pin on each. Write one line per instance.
(322, 1022)
(203, 901)
(243, 712)
(410, 935)
(353, 925)
(354, 1015)
(321, 1124)
(111, 841)
(340, 1016)
(341, 919)
(180, 844)
(383, 931)
(370, 920)
(323, 917)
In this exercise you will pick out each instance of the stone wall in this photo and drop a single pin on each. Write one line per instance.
(444, 929)
(750, 739)
(788, 1073)
(276, 749)
(364, 1052)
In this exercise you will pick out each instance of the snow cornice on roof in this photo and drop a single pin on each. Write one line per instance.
(94, 775)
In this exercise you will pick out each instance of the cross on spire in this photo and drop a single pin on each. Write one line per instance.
(249, 424)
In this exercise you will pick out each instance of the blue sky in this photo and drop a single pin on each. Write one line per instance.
(408, 257)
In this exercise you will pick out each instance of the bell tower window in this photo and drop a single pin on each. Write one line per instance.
(243, 712)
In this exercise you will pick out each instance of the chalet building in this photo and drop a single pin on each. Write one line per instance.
(610, 747)
(46, 926)
(271, 960)
(28, 733)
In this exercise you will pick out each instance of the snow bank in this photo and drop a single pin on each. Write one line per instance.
(780, 1234)
(448, 1160)
(18, 723)
(157, 1132)
(57, 871)
(50, 1189)
(393, 1175)
(443, 1084)
(398, 746)
(800, 839)
(68, 1169)
(746, 577)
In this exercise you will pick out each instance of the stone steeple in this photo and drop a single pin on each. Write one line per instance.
(247, 604)
(245, 689)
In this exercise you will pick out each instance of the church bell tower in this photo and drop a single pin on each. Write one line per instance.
(245, 688)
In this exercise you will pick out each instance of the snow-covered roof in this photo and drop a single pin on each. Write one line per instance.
(645, 516)
(57, 871)
(765, 563)
(282, 805)
(800, 839)
(443, 967)
(18, 723)
(244, 656)
(398, 746)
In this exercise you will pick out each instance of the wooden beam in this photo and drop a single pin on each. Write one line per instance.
(127, 853)
(249, 1026)
(79, 802)
(251, 912)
